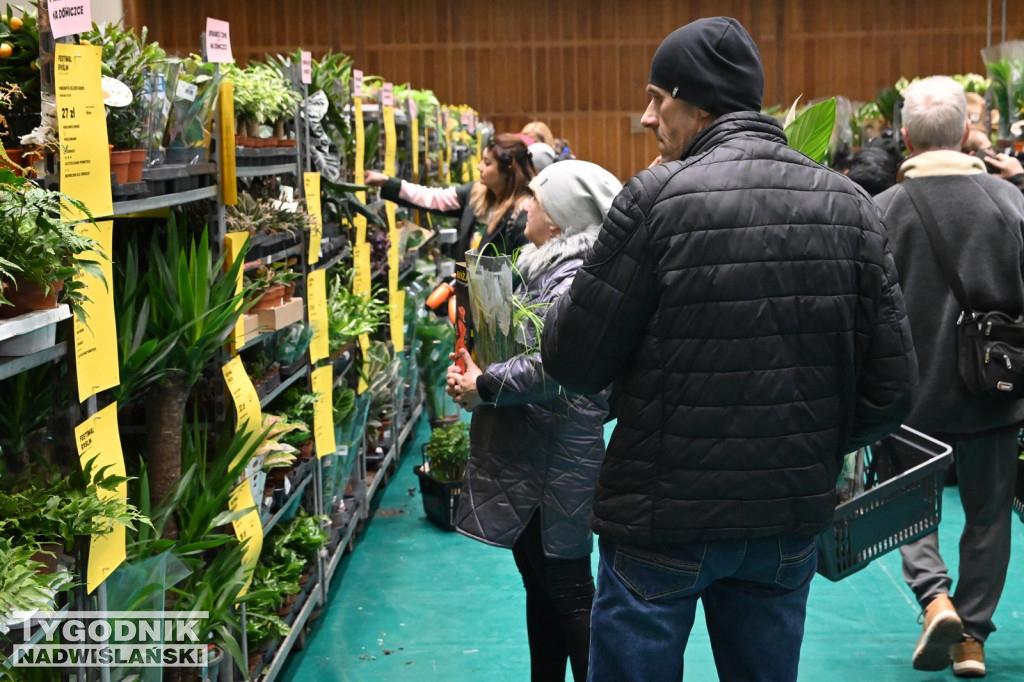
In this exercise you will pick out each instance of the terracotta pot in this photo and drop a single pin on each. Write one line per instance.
(27, 297)
(286, 143)
(16, 160)
(49, 555)
(271, 298)
(119, 160)
(138, 162)
(289, 291)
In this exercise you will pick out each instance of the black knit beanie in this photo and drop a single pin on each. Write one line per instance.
(712, 64)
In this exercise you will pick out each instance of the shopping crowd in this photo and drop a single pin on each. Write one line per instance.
(748, 317)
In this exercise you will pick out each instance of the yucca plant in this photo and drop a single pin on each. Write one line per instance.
(192, 297)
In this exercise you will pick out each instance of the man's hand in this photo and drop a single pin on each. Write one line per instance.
(1007, 165)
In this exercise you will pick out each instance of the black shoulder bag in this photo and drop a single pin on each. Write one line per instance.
(989, 346)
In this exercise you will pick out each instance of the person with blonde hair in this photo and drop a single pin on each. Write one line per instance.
(541, 146)
(495, 201)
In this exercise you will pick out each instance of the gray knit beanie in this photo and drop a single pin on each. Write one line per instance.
(576, 194)
(713, 64)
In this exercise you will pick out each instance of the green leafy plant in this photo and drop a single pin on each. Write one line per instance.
(39, 246)
(125, 57)
(22, 586)
(447, 452)
(26, 402)
(810, 132)
(350, 315)
(190, 118)
(51, 508)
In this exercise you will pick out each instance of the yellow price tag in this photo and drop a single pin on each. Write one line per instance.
(95, 339)
(248, 529)
(82, 127)
(396, 305)
(98, 442)
(316, 292)
(323, 411)
(414, 126)
(234, 244)
(311, 184)
(393, 259)
(249, 414)
(226, 128)
(361, 276)
(359, 172)
(390, 144)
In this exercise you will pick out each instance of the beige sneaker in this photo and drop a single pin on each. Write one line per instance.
(968, 658)
(942, 629)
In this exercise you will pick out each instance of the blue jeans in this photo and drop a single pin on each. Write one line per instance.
(755, 601)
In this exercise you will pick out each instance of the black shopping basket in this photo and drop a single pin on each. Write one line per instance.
(902, 502)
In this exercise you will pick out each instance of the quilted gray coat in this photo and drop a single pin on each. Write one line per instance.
(537, 448)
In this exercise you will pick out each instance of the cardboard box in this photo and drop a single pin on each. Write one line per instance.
(283, 315)
(252, 327)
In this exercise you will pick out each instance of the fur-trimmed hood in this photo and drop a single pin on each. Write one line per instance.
(534, 261)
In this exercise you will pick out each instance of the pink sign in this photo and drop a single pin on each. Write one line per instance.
(387, 96)
(357, 83)
(307, 67)
(69, 16)
(413, 109)
(218, 42)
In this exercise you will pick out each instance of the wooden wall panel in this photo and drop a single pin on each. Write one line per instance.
(582, 65)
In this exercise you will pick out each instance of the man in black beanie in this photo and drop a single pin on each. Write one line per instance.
(742, 301)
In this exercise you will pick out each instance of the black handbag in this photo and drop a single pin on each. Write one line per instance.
(989, 346)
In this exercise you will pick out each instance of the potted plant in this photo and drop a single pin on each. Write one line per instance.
(445, 456)
(126, 58)
(19, 66)
(192, 110)
(437, 340)
(41, 254)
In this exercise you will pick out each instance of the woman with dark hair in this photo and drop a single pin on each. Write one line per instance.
(495, 201)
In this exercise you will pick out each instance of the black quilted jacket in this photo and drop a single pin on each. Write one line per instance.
(745, 304)
(537, 449)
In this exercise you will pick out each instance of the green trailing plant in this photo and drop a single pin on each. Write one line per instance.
(39, 246)
(810, 132)
(447, 452)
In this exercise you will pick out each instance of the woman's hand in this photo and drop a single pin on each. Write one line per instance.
(462, 383)
(375, 178)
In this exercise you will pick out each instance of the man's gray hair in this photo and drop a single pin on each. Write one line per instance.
(935, 113)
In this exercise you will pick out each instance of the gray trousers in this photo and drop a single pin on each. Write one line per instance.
(987, 471)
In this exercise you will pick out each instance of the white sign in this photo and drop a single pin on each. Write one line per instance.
(357, 83)
(218, 42)
(69, 16)
(307, 67)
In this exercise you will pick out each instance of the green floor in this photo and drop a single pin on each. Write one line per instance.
(415, 603)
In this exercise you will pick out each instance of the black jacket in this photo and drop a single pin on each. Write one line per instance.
(744, 301)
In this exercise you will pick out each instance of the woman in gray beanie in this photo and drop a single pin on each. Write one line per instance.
(536, 448)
